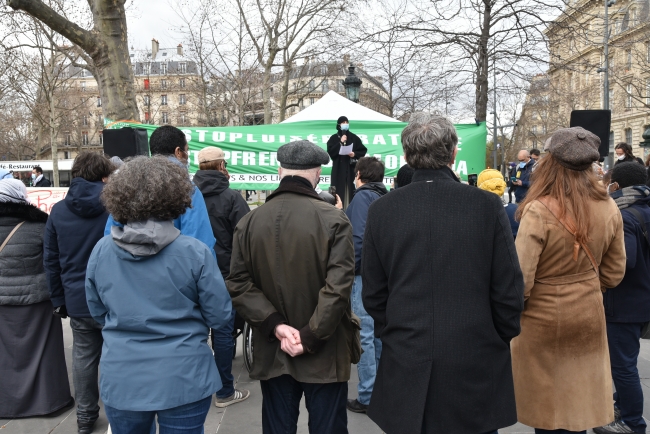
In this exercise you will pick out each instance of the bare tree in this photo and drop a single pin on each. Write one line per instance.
(103, 49)
(283, 31)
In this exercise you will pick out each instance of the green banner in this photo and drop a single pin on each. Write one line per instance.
(251, 152)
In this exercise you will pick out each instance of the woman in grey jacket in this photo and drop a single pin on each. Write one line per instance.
(31, 338)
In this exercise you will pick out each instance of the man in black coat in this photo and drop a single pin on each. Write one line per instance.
(37, 178)
(441, 280)
(343, 165)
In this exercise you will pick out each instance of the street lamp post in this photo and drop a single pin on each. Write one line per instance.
(605, 68)
(352, 84)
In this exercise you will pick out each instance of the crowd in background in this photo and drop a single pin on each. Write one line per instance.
(463, 311)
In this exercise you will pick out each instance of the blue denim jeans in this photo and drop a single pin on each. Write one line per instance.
(367, 366)
(623, 340)
(185, 419)
(223, 345)
(87, 344)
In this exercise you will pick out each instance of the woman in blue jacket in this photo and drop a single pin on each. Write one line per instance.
(156, 293)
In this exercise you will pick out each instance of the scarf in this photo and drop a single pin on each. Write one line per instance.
(628, 196)
(38, 179)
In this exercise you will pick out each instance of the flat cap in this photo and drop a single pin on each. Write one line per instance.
(301, 155)
(574, 148)
(210, 153)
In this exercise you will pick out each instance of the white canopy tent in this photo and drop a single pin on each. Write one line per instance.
(332, 105)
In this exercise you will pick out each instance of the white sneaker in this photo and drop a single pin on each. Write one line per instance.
(238, 396)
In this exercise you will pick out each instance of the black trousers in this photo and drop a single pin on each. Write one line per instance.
(325, 403)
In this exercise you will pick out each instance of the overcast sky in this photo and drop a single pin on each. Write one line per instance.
(147, 19)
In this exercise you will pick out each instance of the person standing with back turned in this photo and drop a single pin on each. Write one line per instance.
(444, 325)
(291, 276)
(570, 245)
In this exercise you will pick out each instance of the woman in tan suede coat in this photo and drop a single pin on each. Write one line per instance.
(571, 248)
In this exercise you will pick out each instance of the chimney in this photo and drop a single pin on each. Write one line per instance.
(154, 49)
(179, 49)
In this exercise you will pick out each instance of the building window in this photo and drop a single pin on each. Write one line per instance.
(183, 67)
(101, 138)
(628, 96)
(311, 101)
(163, 99)
(182, 83)
(146, 84)
(534, 130)
(99, 101)
(647, 91)
(83, 86)
(339, 85)
(312, 86)
(84, 138)
(68, 139)
(325, 86)
(163, 68)
(163, 84)
(628, 136)
(165, 118)
(146, 68)
(647, 52)
(100, 120)
(85, 120)
(66, 155)
(628, 60)
(147, 100)
(182, 98)
(182, 119)
(611, 141)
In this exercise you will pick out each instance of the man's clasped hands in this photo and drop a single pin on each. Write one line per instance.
(289, 339)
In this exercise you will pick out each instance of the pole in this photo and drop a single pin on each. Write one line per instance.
(606, 50)
(494, 125)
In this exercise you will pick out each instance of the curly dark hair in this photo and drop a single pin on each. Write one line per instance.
(146, 188)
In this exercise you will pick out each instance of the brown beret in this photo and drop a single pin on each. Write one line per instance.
(574, 148)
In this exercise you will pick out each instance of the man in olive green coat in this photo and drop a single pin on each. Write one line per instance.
(291, 276)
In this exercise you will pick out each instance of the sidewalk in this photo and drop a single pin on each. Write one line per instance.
(246, 417)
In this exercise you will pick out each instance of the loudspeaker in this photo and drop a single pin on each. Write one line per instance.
(598, 122)
(126, 142)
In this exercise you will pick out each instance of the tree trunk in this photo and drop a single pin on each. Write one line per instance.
(285, 92)
(482, 65)
(266, 92)
(107, 46)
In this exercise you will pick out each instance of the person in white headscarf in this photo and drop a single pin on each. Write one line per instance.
(32, 359)
(6, 174)
(13, 190)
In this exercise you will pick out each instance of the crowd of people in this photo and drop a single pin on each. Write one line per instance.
(463, 312)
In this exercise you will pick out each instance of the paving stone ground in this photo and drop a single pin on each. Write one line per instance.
(246, 417)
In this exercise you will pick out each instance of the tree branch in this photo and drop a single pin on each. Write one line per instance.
(56, 22)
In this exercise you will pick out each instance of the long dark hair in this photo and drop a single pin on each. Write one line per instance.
(627, 149)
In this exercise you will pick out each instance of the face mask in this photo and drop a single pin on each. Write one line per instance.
(345, 127)
(33, 176)
(522, 165)
(621, 157)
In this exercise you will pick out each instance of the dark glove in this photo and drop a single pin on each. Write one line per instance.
(61, 311)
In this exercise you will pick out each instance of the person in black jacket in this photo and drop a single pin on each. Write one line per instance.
(343, 165)
(37, 178)
(33, 373)
(627, 307)
(74, 227)
(369, 181)
(225, 208)
(442, 281)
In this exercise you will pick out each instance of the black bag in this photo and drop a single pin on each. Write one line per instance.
(645, 332)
